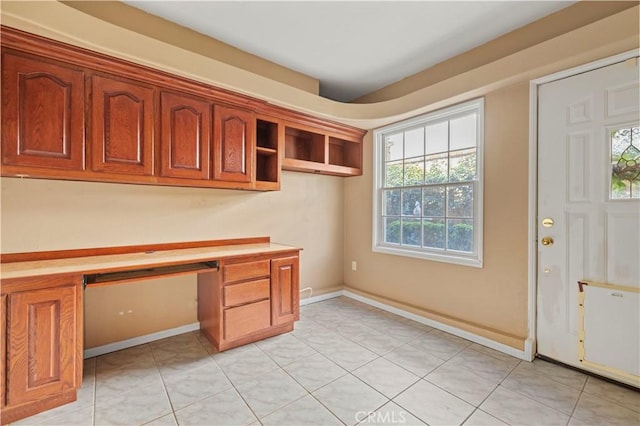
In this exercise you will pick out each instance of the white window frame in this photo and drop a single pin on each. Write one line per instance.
(473, 259)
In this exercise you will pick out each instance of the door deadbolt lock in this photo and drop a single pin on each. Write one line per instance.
(547, 222)
(547, 241)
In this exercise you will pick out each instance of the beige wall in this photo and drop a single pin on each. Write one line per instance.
(329, 217)
(51, 215)
(491, 301)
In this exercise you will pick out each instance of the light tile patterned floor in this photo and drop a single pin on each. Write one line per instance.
(345, 363)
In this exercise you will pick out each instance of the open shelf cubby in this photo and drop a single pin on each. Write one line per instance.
(268, 153)
(304, 145)
(345, 153)
(267, 167)
(266, 134)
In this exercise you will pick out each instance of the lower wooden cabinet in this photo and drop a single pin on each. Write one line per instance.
(42, 354)
(285, 290)
(3, 348)
(249, 299)
(245, 320)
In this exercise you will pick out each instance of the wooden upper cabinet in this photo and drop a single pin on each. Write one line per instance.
(70, 113)
(122, 120)
(42, 113)
(42, 346)
(186, 137)
(233, 144)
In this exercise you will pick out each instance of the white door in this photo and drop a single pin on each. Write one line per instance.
(589, 214)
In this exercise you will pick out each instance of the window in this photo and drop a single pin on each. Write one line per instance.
(428, 186)
(625, 163)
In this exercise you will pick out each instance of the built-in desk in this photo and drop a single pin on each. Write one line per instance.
(248, 289)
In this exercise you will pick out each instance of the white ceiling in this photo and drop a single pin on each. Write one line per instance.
(353, 47)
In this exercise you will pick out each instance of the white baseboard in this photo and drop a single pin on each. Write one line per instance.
(135, 341)
(320, 298)
(525, 355)
(431, 323)
(530, 350)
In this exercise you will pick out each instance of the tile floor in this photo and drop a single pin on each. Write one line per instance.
(345, 363)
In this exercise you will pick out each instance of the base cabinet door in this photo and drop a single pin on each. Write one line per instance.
(42, 342)
(285, 296)
(3, 348)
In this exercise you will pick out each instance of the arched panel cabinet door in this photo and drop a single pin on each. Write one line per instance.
(122, 120)
(42, 113)
(185, 136)
(234, 145)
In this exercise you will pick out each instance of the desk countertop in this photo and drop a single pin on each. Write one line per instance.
(118, 262)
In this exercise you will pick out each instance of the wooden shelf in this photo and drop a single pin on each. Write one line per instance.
(266, 151)
(324, 153)
(268, 143)
(295, 165)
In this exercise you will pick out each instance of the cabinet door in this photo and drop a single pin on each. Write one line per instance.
(42, 114)
(42, 343)
(233, 142)
(3, 347)
(285, 297)
(122, 127)
(186, 137)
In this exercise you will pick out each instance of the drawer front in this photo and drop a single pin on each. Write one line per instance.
(239, 294)
(246, 270)
(246, 319)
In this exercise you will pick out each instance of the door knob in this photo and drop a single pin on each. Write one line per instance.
(547, 241)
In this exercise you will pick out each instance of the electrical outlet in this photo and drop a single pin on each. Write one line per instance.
(354, 265)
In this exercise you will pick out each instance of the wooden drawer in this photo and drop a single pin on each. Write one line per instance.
(246, 270)
(246, 319)
(239, 294)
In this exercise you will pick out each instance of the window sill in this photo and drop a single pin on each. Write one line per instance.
(436, 257)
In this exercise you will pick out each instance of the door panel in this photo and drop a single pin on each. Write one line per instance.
(186, 137)
(122, 127)
(42, 114)
(234, 140)
(284, 290)
(594, 236)
(42, 362)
